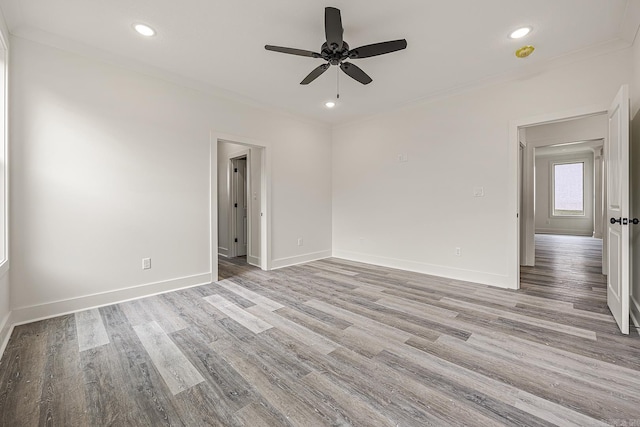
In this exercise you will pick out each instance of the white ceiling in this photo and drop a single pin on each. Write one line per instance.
(220, 44)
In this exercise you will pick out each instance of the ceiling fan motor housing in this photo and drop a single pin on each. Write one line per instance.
(334, 57)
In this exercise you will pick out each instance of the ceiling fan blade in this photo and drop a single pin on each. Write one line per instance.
(333, 28)
(315, 74)
(355, 72)
(293, 51)
(377, 49)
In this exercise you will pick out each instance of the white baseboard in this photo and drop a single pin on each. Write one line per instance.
(28, 314)
(223, 252)
(564, 232)
(299, 259)
(635, 311)
(6, 327)
(253, 260)
(434, 270)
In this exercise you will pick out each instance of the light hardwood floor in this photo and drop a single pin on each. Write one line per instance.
(337, 343)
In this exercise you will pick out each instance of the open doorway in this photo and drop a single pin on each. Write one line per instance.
(562, 210)
(617, 242)
(241, 203)
(562, 189)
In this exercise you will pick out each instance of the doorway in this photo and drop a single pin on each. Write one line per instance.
(561, 189)
(617, 242)
(241, 194)
(561, 229)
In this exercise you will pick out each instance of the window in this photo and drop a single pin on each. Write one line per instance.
(568, 189)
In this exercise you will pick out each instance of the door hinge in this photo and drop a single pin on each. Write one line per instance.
(235, 240)
(235, 170)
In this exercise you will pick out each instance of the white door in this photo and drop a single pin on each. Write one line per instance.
(617, 156)
(240, 177)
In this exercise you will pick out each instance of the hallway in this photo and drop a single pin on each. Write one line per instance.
(568, 268)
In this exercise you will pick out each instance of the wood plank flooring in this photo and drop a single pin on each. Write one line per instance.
(337, 343)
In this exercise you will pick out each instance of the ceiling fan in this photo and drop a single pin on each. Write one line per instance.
(336, 51)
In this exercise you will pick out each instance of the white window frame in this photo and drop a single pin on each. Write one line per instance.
(552, 189)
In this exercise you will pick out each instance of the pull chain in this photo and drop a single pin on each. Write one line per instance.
(338, 82)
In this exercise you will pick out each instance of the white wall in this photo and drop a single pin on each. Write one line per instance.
(634, 84)
(225, 151)
(5, 288)
(414, 214)
(545, 222)
(110, 166)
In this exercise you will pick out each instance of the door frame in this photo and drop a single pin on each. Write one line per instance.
(232, 222)
(515, 173)
(265, 202)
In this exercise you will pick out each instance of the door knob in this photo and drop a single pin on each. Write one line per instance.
(633, 221)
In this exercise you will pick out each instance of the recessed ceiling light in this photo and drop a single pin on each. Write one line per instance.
(144, 30)
(520, 32)
(329, 104)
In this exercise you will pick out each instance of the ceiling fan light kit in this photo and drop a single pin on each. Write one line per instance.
(335, 51)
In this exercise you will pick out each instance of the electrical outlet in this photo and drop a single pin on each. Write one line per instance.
(457, 251)
(300, 241)
(403, 157)
(146, 263)
(478, 192)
